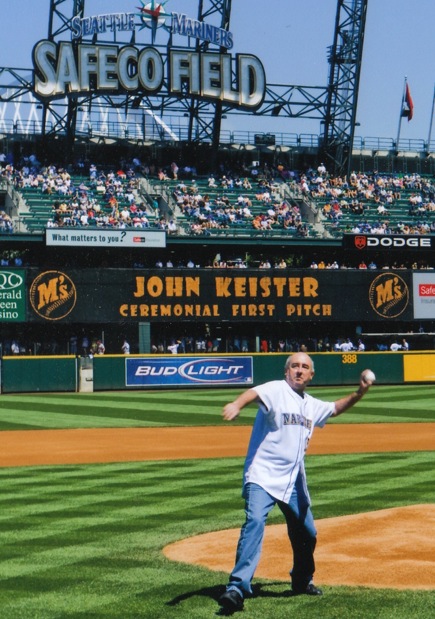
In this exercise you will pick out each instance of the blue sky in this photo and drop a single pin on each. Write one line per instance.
(291, 38)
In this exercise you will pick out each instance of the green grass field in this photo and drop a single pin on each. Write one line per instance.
(386, 404)
(85, 541)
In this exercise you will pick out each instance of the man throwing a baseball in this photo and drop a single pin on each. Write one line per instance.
(274, 472)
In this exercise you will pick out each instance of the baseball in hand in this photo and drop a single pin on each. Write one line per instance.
(369, 376)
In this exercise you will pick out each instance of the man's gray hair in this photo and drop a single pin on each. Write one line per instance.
(288, 361)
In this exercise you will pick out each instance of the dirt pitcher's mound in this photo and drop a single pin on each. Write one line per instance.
(391, 548)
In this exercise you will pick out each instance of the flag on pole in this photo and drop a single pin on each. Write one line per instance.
(408, 104)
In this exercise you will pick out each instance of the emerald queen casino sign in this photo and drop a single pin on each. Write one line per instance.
(71, 67)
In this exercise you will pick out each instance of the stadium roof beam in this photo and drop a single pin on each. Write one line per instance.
(206, 129)
(345, 57)
(291, 102)
(334, 105)
(60, 21)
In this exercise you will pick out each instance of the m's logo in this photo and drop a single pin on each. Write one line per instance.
(360, 242)
(53, 295)
(389, 295)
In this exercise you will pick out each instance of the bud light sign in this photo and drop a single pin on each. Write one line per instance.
(154, 372)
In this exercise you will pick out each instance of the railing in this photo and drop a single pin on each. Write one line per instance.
(388, 144)
(151, 132)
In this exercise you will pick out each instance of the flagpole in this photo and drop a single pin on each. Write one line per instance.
(431, 121)
(401, 115)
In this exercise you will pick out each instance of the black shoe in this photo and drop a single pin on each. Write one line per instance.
(231, 600)
(310, 589)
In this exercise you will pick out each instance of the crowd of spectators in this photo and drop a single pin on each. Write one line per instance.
(231, 201)
(361, 194)
(265, 262)
(210, 343)
(227, 200)
(101, 198)
(372, 265)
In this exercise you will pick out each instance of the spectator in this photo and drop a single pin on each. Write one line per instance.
(347, 346)
(173, 347)
(264, 345)
(73, 345)
(85, 345)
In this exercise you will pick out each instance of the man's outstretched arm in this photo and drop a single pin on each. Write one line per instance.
(343, 404)
(232, 409)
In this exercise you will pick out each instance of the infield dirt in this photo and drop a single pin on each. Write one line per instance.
(84, 446)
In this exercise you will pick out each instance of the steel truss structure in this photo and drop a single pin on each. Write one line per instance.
(334, 106)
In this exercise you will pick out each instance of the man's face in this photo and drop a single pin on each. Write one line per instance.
(299, 372)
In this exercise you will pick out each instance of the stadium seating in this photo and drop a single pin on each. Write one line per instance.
(397, 218)
(219, 211)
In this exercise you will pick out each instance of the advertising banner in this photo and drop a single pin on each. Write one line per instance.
(12, 295)
(423, 285)
(387, 242)
(71, 237)
(155, 371)
(216, 295)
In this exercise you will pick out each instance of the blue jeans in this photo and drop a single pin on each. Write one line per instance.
(300, 529)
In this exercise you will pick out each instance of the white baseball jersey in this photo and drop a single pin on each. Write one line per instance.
(280, 437)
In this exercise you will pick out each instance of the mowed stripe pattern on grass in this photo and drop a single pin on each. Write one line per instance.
(383, 404)
(86, 540)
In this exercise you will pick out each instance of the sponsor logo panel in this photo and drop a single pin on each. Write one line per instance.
(423, 286)
(53, 295)
(387, 242)
(12, 296)
(389, 295)
(151, 371)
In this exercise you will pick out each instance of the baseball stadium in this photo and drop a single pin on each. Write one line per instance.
(173, 245)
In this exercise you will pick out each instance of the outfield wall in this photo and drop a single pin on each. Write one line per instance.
(119, 372)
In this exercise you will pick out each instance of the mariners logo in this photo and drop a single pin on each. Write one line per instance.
(152, 15)
(53, 295)
(389, 295)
